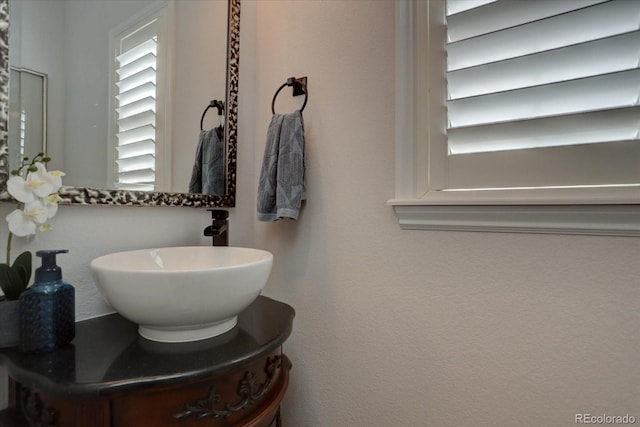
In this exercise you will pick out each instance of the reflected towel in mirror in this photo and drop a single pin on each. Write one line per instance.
(207, 176)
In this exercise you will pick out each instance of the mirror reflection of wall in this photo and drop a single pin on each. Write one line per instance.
(27, 114)
(69, 40)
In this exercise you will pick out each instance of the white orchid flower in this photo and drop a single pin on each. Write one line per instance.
(24, 222)
(38, 199)
(54, 199)
(20, 224)
(52, 177)
(40, 181)
(45, 227)
(36, 211)
(19, 189)
(56, 178)
(51, 204)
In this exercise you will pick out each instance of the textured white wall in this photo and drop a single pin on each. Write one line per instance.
(419, 328)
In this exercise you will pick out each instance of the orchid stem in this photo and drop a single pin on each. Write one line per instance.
(9, 248)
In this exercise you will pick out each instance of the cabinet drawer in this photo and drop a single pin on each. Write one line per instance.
(244, 397)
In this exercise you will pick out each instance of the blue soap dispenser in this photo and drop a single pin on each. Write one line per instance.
(47, 308)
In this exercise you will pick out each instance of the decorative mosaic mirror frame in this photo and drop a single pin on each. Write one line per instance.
(98, 196)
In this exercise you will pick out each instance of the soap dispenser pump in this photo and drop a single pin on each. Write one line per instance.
(47, 308)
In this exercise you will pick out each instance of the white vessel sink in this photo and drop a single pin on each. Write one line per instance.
(182, 294)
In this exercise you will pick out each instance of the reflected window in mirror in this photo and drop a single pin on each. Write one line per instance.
(139, 94)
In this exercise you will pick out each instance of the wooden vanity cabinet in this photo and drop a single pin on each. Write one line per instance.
(237, 380)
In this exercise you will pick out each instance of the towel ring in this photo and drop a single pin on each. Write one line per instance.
(213, 104)
(299, 88)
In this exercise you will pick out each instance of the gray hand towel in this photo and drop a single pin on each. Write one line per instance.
(207, 176)
(281, 187)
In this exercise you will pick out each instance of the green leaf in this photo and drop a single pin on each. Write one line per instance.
(15, 279)
(24, 276)
(23, 262)
(11, 282)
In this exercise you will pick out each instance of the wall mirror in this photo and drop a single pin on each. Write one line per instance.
(129, 88)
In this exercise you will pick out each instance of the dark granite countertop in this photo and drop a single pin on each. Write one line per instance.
(108, 356)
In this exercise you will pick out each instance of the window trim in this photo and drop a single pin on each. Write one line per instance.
(591, 211)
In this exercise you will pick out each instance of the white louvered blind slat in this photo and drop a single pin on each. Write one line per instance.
(136, 109)
(525, 77)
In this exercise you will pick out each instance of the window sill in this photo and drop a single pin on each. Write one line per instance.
(585, 219)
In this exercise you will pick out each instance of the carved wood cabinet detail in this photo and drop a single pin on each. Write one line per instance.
(249, 395)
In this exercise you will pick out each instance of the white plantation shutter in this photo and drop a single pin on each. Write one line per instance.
(518, 116)
(542, 93)
(136, 95)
